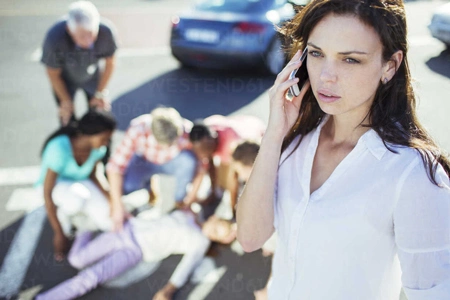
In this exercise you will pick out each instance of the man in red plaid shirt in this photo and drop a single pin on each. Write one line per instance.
(155, 143)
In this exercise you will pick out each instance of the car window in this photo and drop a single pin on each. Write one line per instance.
(241, 6)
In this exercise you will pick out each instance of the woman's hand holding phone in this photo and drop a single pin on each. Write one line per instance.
(283, 111)
(301, 73)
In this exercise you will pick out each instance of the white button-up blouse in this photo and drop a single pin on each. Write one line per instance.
(378, 222)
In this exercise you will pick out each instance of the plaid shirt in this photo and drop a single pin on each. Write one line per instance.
(140, 140)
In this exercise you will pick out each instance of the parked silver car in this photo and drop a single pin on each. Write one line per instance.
(440, 24)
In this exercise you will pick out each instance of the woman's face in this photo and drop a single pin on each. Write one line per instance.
(100, 139)
(345, 65)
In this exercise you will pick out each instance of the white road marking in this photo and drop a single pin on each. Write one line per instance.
(20, 253)
(237, 248)
(30, 293)
(206, 266)
(204, 288)
(26, 199)
(17, 176)
(36, 55)
(121, 52)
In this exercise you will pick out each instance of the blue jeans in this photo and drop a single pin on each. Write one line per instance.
(139, 171)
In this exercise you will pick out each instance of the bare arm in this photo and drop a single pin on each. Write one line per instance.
(58, 84)
(166, 293)
(255, 213)
(115, 168)
(213, 175)
(110, 64)
(103, 83)
(233, 187)
(49, 184)
(197, 181)
(66, 105)
(117, 210)
(60, 241)
(191, 196)
(97, 182)
(255, 207)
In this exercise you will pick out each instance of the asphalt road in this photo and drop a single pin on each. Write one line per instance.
(146, 76)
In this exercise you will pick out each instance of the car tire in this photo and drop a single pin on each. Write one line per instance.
(275, 59)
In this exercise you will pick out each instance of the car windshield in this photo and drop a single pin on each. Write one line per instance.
(239, 6)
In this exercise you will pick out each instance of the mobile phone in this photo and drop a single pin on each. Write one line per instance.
(301, 73)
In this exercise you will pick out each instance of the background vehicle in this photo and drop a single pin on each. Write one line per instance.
(225, 34)
(440, 24)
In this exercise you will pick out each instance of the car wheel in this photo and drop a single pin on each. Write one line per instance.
(275, 58)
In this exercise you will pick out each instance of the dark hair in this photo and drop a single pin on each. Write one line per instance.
(93, 122)
(246, 153)
(392, 114)
(200, 130)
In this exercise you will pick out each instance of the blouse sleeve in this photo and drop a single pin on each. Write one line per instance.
(422, 233)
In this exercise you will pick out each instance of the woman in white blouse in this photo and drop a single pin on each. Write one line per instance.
(355, 187)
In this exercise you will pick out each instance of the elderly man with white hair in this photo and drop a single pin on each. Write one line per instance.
(72, 50)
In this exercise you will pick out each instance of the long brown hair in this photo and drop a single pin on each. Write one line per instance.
(393, 111)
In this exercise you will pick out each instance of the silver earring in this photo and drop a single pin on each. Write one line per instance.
(385, 80)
